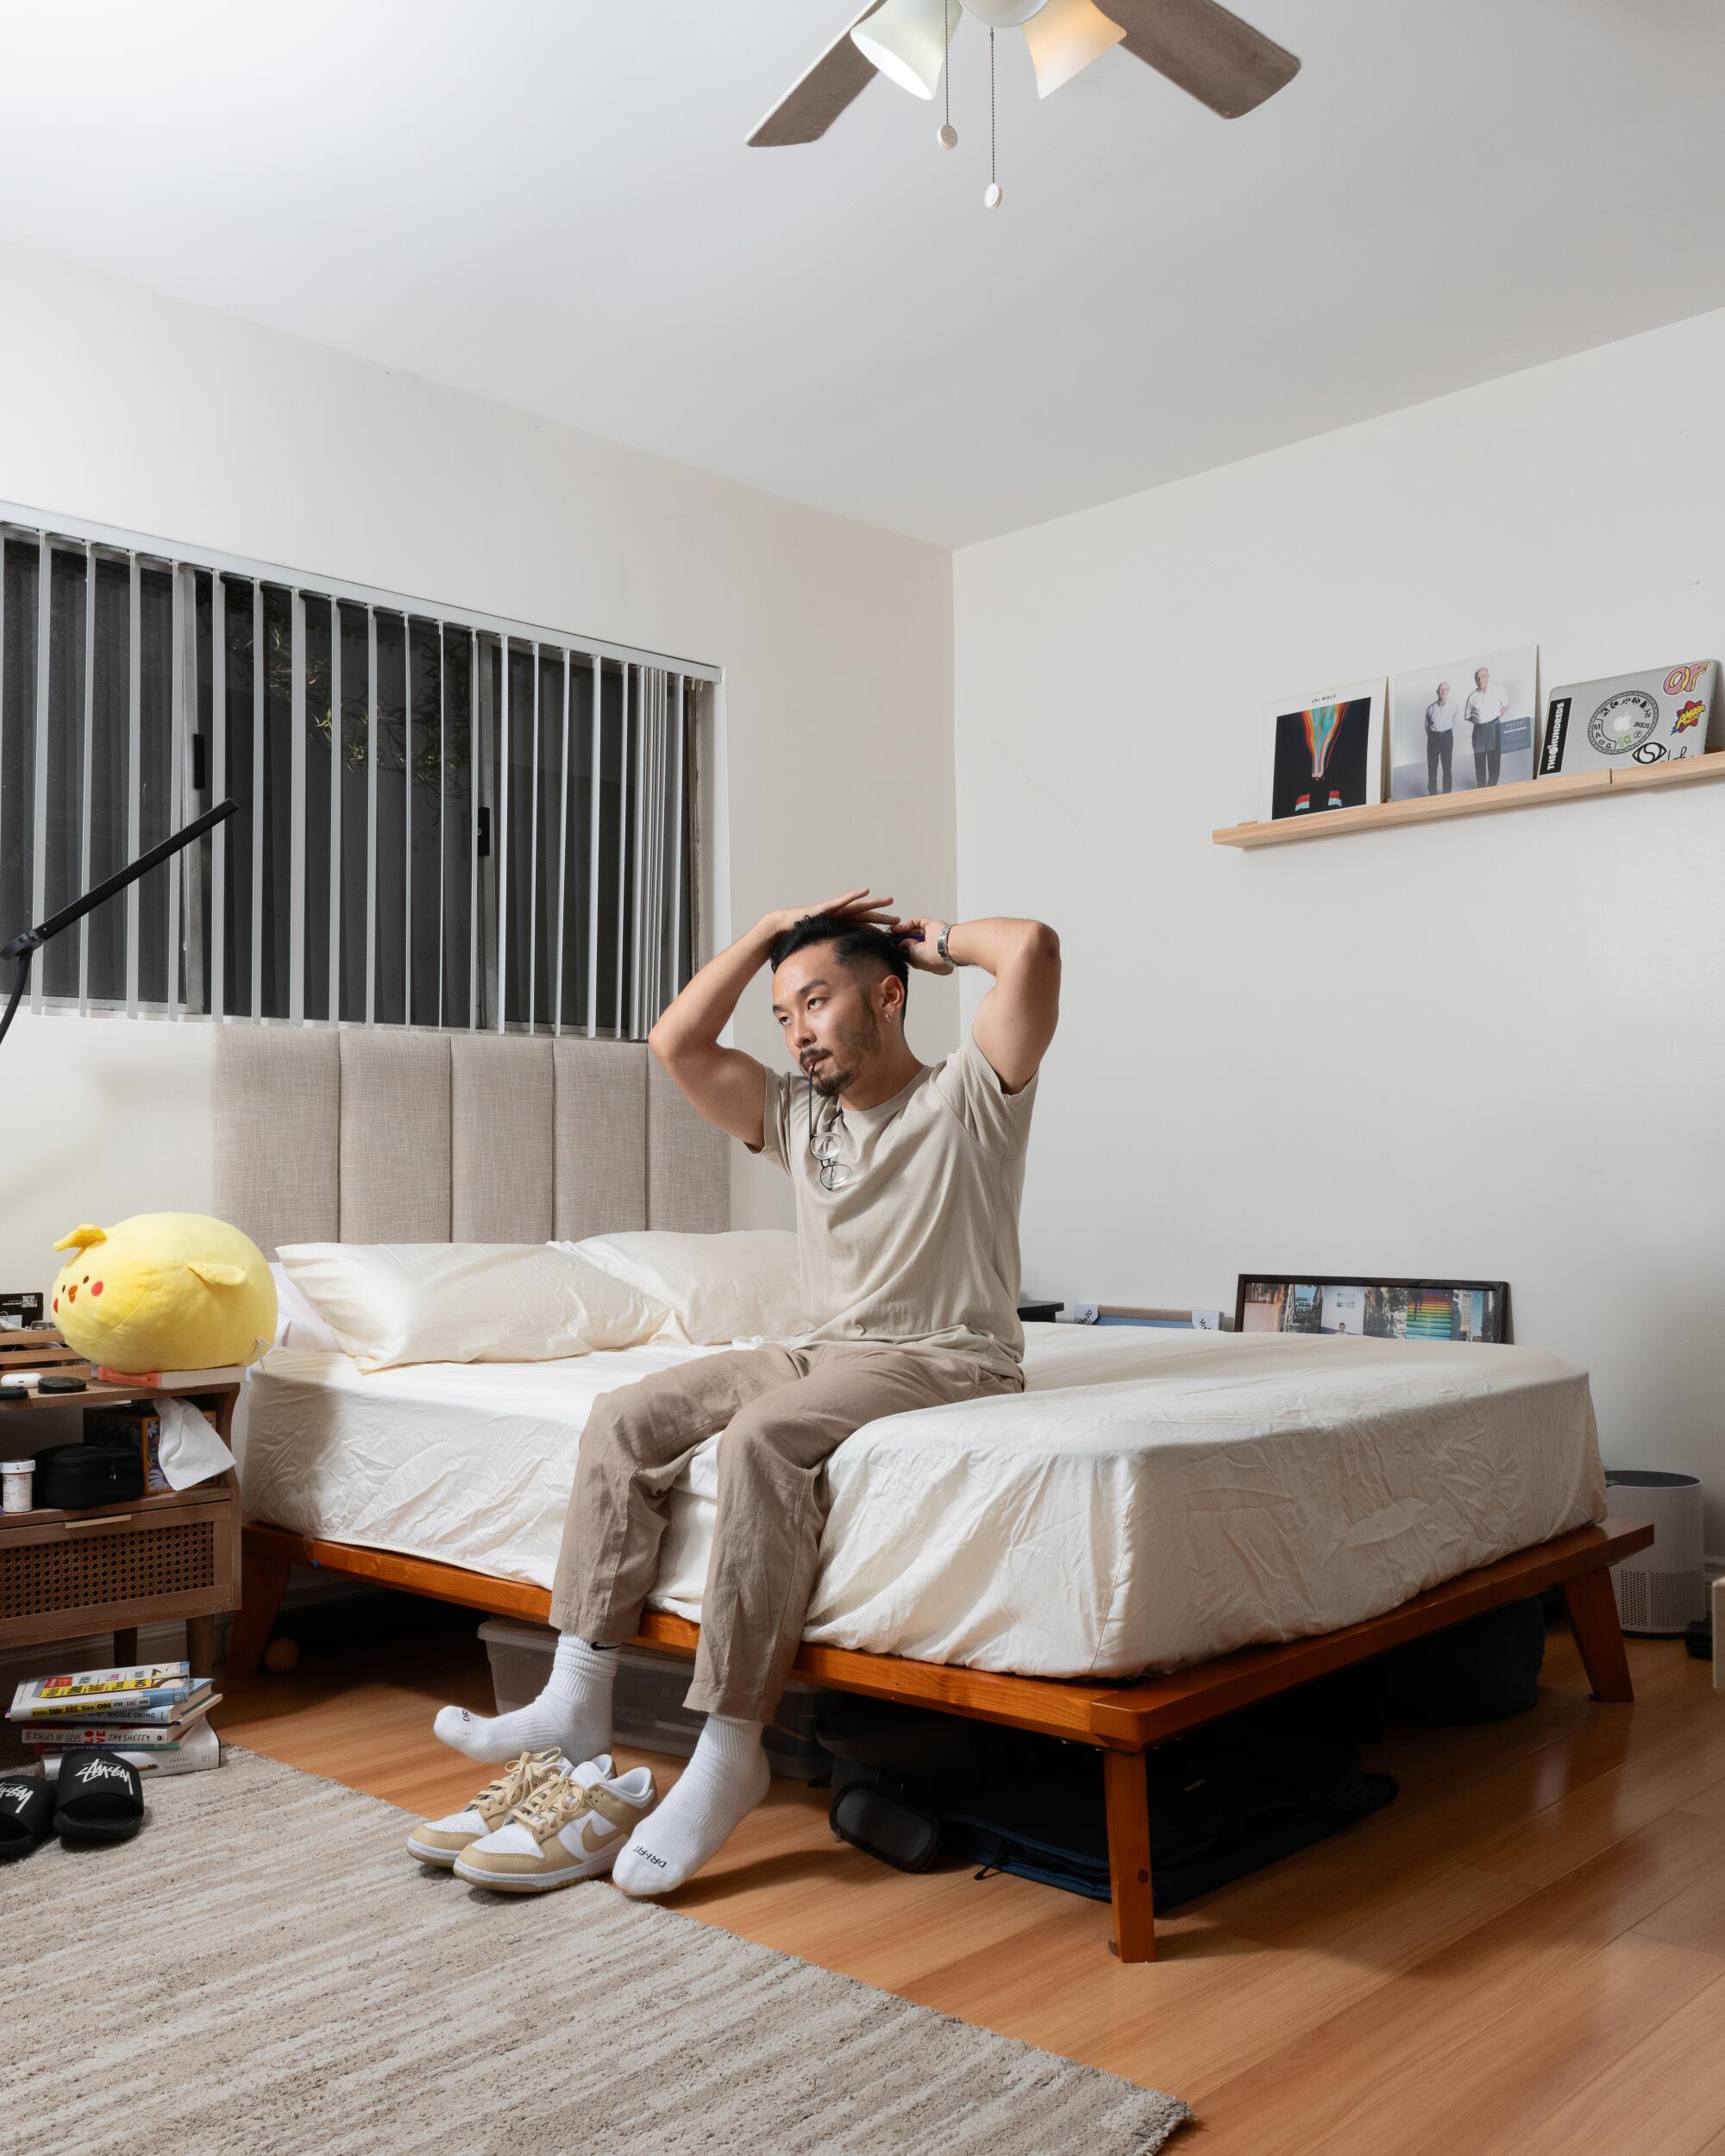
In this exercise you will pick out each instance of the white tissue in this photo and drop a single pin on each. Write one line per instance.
(190, 1451)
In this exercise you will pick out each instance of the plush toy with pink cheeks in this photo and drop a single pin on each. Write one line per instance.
(165, 1291)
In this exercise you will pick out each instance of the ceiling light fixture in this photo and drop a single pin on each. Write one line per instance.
(1197, 44)
(1063, 38)
(906, 40)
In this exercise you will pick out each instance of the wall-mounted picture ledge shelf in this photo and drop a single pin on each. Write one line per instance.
(1488, 801)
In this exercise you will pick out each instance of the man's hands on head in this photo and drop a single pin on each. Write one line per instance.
(916, 934)
(858, 907)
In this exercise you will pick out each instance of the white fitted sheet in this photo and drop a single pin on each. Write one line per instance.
(1153, 1498)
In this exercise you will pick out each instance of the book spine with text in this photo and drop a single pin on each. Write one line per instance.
(127, 1735)
(106, 1707)
(137, 1677)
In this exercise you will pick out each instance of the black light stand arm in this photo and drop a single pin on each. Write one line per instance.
(24, 948)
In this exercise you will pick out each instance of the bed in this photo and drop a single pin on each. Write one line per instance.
(1150, 1500)
(1160, 1527)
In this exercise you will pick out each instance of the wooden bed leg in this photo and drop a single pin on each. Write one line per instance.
(1592, 1608)
(263, 1581)
(1127, 1792)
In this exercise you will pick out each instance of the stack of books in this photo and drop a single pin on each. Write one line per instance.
(153, 1714)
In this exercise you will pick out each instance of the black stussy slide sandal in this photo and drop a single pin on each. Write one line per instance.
(25, 1812)
(101, 1798)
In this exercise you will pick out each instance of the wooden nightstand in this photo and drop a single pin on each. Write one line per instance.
(174, 1555)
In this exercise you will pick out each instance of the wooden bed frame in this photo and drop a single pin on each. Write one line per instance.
(1122, 1720)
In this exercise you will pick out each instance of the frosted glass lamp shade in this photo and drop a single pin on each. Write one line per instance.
(1063, 38)
(907, 41)
(1004, 15)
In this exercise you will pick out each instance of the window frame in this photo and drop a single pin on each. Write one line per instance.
(685, 694)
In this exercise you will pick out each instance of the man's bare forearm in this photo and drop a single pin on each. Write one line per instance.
(998, 942)
(707, 1004)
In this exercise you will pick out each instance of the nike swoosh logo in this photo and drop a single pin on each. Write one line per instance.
(591, 1847)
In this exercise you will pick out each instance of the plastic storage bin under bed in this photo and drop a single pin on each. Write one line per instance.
(648, 1709)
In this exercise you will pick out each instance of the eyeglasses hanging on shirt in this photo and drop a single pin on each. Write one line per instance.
(823, 1144)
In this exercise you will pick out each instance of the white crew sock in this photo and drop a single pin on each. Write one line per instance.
(573, 1712)
(723, 1782)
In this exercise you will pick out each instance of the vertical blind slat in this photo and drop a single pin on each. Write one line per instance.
(650, 929)
(644, 893)
(442, 807)
(406, 819)
(134, 707)
(677, 848)
(257, 798)
(533, 858)
(38, 806)
(565, 777)
(296, 812)
(218, 781)
(371, 813)
(178, 736)
(593, 767)
(622, 851)
(474, 821)
(334, 1009)
(84, 879)
(500, 843)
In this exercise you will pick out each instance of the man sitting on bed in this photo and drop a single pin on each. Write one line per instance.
(907, 1178)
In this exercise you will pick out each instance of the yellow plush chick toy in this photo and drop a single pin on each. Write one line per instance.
(165, 1291)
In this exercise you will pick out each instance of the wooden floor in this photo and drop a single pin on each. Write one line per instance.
(1525, 1953)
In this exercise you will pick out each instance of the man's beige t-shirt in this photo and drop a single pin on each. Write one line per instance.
(920, 1247)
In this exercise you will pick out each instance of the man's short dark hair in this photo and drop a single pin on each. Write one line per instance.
(855, 945)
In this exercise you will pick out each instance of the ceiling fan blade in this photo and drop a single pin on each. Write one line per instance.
(809, 107)
(1211, 54)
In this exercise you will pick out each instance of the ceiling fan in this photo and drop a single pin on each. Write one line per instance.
(1196, 44)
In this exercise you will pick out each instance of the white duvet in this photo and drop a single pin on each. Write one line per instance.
(1152, 1497)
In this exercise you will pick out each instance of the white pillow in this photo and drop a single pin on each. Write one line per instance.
(389, 1303)
(298, 1324)
(718, 1288)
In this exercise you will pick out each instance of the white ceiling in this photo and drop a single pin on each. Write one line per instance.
(548, 202)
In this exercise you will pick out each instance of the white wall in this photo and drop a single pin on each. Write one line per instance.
(1509, 1065)
(136, 410)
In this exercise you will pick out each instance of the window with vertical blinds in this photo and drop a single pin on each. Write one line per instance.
(447, 819)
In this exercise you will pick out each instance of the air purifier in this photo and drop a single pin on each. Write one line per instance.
(1663, 1588)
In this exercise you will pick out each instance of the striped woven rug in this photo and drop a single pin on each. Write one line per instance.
(263, 1971)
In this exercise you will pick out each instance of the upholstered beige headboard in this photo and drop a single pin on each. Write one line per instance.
(402, 1136)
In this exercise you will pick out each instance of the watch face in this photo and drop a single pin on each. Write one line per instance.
(1623, 721)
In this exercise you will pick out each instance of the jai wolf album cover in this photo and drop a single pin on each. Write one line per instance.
(1326, 751)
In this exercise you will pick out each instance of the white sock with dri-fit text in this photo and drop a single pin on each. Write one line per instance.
(723, 1782)
(573, 1712)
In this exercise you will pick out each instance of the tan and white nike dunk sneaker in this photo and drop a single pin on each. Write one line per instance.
(440, 1841)
(569, 1829)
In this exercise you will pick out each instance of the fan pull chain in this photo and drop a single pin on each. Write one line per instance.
(946, 134)
(991, 194)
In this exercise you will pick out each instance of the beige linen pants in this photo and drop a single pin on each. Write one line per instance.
(782, 1410)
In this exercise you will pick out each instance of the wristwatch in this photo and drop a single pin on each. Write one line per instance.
(946, 958)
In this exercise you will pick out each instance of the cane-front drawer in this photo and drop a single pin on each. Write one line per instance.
(117, 1568)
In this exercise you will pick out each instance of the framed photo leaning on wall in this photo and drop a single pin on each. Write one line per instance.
(1340, 1305)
